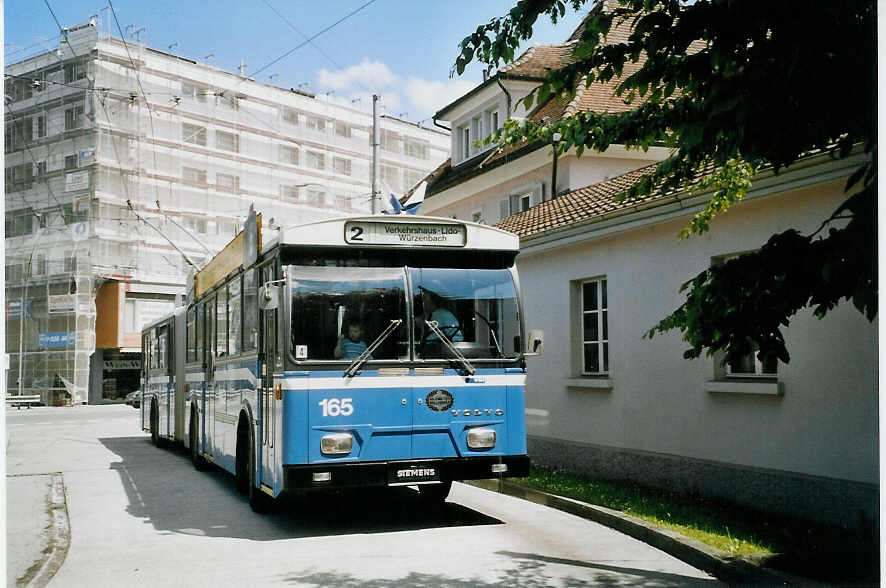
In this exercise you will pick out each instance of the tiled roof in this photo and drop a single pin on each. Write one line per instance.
(538, 61)
(581, 204)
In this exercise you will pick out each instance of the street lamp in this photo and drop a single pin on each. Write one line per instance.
(555, 141)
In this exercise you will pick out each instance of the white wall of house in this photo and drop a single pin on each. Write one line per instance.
(824, 423)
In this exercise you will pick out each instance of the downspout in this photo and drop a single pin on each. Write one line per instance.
(507, 95)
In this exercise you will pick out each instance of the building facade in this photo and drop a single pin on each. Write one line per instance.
(127, 168)
(798, 439)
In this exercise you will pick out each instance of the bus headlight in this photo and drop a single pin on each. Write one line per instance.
(481, 438)
(336, 444)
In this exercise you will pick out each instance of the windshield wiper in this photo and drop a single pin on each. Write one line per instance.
(491, 332)
(458, 355)
(361, 359)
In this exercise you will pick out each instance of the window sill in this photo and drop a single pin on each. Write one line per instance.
(590, 383)
(761, 388)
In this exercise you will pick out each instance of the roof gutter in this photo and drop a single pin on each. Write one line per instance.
(436, 124)
(507, 95)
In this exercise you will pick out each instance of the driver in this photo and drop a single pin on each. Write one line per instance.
(446, 321)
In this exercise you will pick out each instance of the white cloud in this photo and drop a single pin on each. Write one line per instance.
(429, 96)
(414, 97)
(366, 74)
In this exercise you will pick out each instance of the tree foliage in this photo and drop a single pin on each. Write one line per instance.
(732, 87)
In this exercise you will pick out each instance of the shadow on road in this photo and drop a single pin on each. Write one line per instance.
(529, 571)
(164, 488)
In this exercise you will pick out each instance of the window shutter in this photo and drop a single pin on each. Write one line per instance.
(535, 196)
(504, 208)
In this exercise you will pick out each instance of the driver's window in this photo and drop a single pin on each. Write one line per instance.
(338, 313)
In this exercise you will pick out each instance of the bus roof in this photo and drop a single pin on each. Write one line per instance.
(399, 231)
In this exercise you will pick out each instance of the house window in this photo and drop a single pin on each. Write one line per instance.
(194, 92)
(190, 174)
(521, 201)
(39, 267)
(290, 116)
(41, 127)
(477, 127)
(417, 148)
(227, 141)
(342, 166)
(493, 121)
(315, 124)
(465, 134)
(73, 118)
(477, 217)
(74, 72)
(391, 141)
(289, 193)
(594, 328)
(315, 160)
(342, 130)
(71, 161)
(41, 169)
(70, 261)
(391, 176)
(226, 101)
(227, 181)
(194, 134)
(288, 155)
(413, 177)
(747, 366)
(316, 196)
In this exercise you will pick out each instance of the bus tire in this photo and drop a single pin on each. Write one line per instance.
(258, 501)
(194, 441)
(155, 424)
(241, 460)
(435, 494)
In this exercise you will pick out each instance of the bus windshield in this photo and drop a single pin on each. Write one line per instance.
(339, 312)
(475, 310)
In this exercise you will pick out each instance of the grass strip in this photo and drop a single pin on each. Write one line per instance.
(722, 527)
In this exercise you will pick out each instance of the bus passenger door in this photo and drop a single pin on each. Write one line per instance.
(209, 416)
(267, 398)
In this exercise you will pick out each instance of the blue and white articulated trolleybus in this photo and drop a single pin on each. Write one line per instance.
(357, 352)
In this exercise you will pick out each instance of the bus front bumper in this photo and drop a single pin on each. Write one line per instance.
(403, 472)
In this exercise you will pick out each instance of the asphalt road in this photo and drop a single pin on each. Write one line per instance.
(141, 516)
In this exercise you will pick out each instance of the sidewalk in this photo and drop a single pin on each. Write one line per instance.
(37, 532)
(733, 570)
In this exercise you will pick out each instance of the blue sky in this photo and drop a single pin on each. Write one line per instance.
(402, 50)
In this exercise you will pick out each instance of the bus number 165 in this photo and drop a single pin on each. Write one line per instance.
(335, 407)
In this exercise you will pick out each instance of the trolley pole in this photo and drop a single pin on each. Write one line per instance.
(375, 167)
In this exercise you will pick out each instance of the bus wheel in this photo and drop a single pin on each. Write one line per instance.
(241, 460)
(155, 425)
(434, 494)
(194, 441)
(259, 502)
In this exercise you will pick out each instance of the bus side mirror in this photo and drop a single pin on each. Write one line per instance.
(269, 297)
(536, 345)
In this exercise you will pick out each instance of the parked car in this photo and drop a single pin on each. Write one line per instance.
(134, 398)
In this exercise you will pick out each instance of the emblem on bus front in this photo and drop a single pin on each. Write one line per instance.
(439, 400)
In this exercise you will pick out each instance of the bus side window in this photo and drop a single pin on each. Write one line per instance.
(191, 335)
(250, 311)
(235, 316)
(199, 338)
(221, 323)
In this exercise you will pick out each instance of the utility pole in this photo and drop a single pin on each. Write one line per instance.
(375, 154)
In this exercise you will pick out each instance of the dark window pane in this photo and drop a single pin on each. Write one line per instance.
(605, 304)
(770, 365)
(592, 357)
(590, 295)
(605, 324)
(605, 357)
(590, 331)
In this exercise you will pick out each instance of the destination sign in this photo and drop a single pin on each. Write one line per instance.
(405, 234)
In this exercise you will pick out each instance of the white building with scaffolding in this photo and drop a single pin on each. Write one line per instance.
(125, 166)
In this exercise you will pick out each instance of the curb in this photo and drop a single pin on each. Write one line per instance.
(735, 571)
(59, 533)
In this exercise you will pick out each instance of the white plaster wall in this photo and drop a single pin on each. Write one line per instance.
(825, 424)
